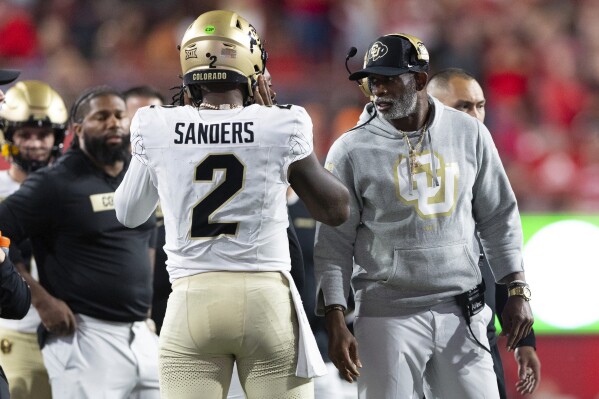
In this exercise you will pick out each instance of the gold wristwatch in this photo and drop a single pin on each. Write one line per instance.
(520, 290)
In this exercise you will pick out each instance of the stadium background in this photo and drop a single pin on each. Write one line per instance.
(537, 60)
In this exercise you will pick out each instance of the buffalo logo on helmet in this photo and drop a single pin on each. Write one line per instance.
(377, 50)
(254, 38)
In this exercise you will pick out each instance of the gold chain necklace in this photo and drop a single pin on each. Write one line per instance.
(412, 150)
(220, 106)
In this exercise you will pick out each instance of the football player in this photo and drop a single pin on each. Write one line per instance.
(221, 167)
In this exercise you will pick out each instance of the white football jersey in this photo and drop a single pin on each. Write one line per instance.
(221, 177)
(7, 185)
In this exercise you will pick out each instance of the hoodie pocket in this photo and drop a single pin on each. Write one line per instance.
(425, 271)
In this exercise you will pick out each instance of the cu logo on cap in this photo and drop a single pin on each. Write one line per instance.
(377, 50)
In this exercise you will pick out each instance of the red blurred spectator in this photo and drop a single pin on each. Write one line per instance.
(560, 94)
(17, 31)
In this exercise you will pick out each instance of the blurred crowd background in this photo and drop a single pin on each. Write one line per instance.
(537, 60)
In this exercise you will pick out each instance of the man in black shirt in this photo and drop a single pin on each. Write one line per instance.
(95, 284)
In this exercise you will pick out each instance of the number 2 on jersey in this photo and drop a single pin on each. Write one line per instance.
(202, 224)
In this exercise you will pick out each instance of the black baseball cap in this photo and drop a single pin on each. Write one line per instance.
(392, 55)
(8, 75)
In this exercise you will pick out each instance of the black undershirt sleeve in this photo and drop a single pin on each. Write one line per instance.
(501, 299)
(15, 297)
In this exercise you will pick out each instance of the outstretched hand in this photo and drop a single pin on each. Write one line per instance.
(529, 369)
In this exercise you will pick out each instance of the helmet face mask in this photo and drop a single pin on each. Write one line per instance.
(32, 108)
(221, 47)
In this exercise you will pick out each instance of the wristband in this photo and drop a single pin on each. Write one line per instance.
(330, 308)
(516, 282)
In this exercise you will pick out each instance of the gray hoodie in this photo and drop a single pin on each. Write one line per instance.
(407, 244)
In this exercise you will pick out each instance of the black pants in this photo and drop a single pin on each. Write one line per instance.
(498, 368)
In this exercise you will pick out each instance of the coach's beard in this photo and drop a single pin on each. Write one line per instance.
(104, 153)
(403, 106)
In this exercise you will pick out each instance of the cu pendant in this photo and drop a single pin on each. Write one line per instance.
(414, 162)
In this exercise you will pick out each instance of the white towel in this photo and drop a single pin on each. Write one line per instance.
(309, 360)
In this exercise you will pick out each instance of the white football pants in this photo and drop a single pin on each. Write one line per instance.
(103, 359)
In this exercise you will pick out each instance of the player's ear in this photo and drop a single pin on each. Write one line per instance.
(421, 78)
(77, 130)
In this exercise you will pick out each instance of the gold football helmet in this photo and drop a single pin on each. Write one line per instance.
(31, 103)
(221, 47)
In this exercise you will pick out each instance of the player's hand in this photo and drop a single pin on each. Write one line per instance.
(517, 320)
(343, 347)
(263, 93)
(529, 369)
(56, 316)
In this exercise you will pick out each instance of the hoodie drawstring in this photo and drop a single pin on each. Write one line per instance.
(433, 159)
(410, 177)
